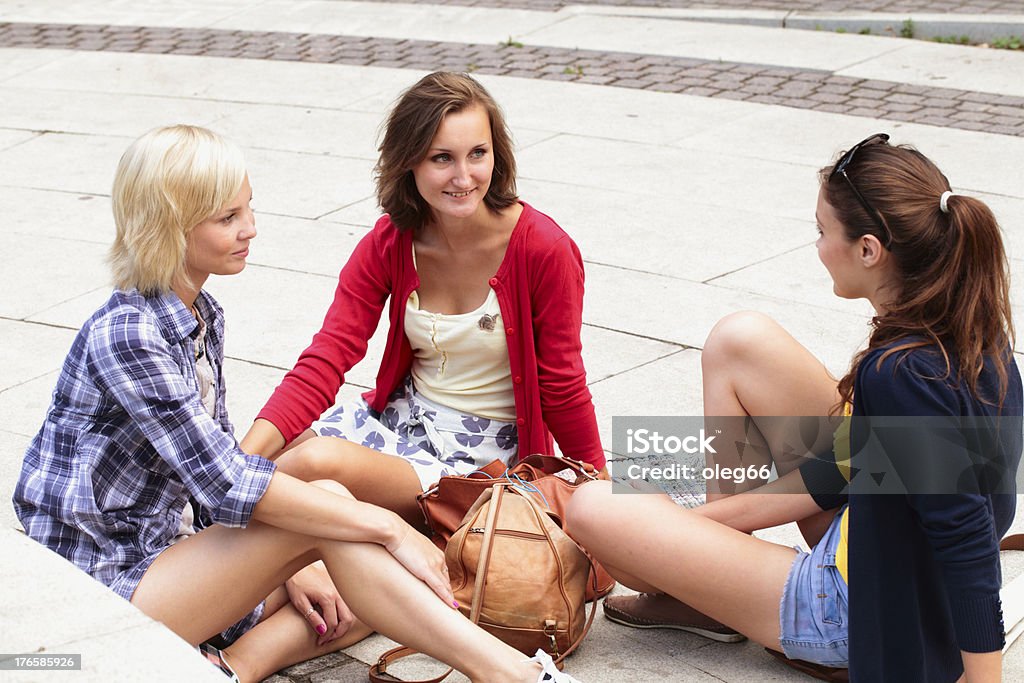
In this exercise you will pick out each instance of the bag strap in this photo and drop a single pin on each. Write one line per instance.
(393, 655)
(591, 575)
(1014, 542)
(483, 563)
(550, 464)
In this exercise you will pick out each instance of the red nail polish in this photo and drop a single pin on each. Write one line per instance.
(321, 629)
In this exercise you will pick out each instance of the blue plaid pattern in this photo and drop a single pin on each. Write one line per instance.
(126, 442)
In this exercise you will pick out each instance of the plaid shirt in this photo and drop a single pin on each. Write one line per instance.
(126, 442)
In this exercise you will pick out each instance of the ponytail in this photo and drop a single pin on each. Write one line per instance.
(950, 267)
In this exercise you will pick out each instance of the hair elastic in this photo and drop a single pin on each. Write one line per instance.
(944, 201)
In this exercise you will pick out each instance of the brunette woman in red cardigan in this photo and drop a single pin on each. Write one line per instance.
(484, 297)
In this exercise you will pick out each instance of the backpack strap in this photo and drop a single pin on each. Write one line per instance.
(591, 575)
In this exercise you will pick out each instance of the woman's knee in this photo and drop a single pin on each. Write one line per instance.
(321, 457)
(584, 512)
(736, 336)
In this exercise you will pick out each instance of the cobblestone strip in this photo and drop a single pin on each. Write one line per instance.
(887, 6)
(788, 87)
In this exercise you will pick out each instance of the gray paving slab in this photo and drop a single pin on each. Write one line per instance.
(652, 232)
(324, 185)
(17, 62)
(29, 294)
(55, 213)
(358, 214)
(71, 163)
(670, 385)
(13, 138)
(306, 130)
(30, 351)
(205, 78)
(777, 188)
(100, 113)
(71, 313)
(287, 243)
(12, 448)
(948, 66)
(687, 311)
(23, 407)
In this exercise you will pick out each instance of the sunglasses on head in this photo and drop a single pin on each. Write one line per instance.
(840, 169)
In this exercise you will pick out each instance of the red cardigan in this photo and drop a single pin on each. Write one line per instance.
(539, 286)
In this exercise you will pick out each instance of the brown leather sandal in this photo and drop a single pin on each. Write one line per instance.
(819, 671)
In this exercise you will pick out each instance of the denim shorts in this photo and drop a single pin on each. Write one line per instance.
(814, 612)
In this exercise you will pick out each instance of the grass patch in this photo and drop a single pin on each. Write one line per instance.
(1008, 43)
(907, 30)
(952, 40)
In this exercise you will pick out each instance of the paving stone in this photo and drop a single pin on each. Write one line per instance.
(828, 97)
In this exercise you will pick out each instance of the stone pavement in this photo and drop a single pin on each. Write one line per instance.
(816, 89)
(680, 155)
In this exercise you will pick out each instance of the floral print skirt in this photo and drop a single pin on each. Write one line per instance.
(436, 440)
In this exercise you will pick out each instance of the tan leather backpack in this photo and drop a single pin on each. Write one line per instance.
(518, 575)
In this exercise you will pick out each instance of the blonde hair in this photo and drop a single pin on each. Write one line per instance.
(167, 182)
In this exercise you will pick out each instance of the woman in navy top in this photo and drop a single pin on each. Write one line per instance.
(136, 478)
(908, 498)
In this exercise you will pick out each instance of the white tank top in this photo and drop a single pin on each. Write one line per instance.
(461, 360)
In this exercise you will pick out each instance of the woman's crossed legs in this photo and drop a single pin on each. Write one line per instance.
(202, 585)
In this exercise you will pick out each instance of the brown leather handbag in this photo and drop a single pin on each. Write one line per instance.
(445, 505)
(517, 575)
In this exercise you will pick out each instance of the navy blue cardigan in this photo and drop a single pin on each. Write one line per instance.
(924, 566)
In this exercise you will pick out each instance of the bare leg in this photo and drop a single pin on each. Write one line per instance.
(228, 571)
(372, 477)
(752, 367)
(726, 574)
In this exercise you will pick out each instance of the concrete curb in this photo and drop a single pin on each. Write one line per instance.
(978, 28)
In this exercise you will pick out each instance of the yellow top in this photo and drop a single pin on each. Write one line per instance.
(841, 446)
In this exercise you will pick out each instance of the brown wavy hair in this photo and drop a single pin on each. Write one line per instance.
(952, 274)
(411, 127)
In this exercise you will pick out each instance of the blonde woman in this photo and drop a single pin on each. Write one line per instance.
(135, 476)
